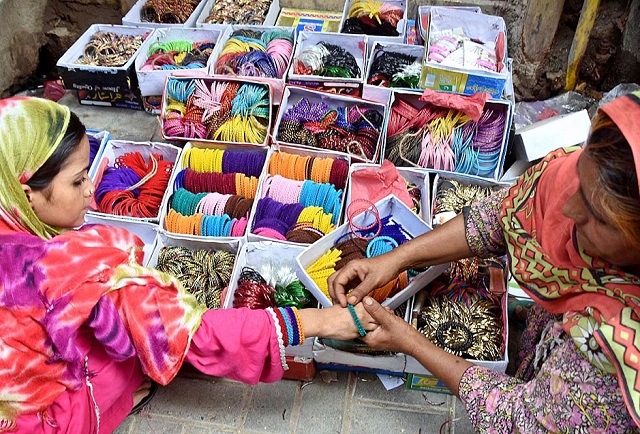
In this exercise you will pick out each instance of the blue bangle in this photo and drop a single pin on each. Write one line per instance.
(356, 320)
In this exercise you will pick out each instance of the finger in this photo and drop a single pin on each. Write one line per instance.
(336, 292)
(375, 309)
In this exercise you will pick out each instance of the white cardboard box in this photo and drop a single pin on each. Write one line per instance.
(310, 152)
(441, 177)
(293, 94)
(352, 44)
(103, 137)
(117, 79)
(420, 177)
(181, 166)
(269, 19)
(132, 18)
(379, 93)
(389, 206)
(503, 106)
(152, 82)
(256, 254)
(115, 148)
(371, 39)
(208, 81)
(413, 366)
(277, 84)
(537, 140)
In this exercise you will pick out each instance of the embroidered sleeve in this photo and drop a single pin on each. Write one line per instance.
(568, 395)
(484, 233)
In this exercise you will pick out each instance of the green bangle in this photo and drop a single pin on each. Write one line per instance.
(356, 320)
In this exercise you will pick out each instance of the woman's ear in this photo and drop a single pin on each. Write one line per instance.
(28, 192)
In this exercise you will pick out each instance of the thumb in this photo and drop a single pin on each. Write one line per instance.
(375, 309)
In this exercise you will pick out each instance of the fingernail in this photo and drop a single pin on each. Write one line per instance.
(368, 300)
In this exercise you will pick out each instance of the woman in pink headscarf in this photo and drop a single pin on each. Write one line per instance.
(571, 229)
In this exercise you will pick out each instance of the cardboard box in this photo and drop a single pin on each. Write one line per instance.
(371, 39)
(300, 368)
(269, 19)
(103, 137)
(457, 78)
(181, 165)
(152, 82)
(497, 106)
(538, 139)
(441, 177)
(422, 379)
(276, 83)
(293, 94)
(379, 93)
(115, 148)
(261, 254)
(167, 240)
(127, 99)
(423, 16)
(112, 84)
(208, 81)
(133, 17)
(400, 213)
(307, 152)
(309, 20)
(352, 44)
(420, 177)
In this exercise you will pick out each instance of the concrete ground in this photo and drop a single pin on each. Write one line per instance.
(334, 402)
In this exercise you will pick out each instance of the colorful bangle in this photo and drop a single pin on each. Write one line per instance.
(356, 320)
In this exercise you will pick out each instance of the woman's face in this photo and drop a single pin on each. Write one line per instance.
(65, 202)
(597, 237)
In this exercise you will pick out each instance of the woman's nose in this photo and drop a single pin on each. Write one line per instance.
(574, 209)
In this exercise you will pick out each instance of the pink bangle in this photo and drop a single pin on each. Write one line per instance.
(269, 233)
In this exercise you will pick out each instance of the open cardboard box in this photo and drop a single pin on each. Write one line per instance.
(258, 254)
(208, 81)
(352, 44)
(400, 213)
(419, 177)
(152, 82)
(449, 77)
(307, 152)
(117, 81)
(133, 17)
(276, 83)
(181, 165)
(115, 148)
(420, 378)
(495, 105)
(293, 94)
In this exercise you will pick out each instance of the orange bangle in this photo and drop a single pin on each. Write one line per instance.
(300, 328)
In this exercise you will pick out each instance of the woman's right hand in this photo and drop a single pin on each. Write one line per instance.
(361, 276)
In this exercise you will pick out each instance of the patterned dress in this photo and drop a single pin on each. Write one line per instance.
(556, 389)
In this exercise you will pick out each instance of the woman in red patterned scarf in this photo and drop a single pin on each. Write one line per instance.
(571, 229)
(84, 325)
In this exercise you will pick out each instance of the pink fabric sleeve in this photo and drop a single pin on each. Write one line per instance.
(240, 344)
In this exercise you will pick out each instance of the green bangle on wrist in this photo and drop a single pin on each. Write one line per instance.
(356, 320)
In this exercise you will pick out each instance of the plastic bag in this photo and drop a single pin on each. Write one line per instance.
(526, 113)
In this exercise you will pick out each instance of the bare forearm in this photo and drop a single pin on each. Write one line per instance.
(447, 367)
(444, 244)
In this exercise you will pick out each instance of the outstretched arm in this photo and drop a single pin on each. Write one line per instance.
(395, 334)
(443, 244)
